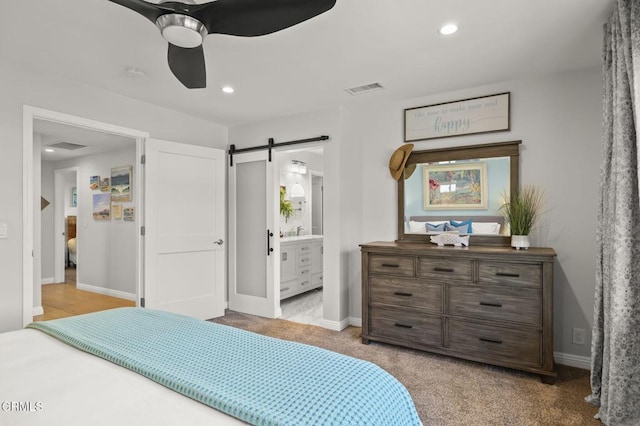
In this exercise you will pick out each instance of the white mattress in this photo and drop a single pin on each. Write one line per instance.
(65, 386)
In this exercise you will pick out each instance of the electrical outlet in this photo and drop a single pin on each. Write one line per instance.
(578, 336)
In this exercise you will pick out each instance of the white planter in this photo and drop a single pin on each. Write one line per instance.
(520, 241)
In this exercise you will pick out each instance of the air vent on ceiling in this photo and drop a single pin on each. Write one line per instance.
(365, 88)
(67, 145)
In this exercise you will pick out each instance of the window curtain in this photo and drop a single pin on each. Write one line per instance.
(615, 348)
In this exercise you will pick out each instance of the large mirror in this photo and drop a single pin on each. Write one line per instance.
(458, 189)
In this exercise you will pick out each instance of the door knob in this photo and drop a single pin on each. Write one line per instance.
(219, 242)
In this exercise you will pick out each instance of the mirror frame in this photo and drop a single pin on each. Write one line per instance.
(500, 149)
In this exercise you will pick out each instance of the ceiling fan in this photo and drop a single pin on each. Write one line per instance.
(185, 24)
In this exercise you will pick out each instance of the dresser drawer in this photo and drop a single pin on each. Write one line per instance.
(391, 265)
(495, 303)
(444, 269)
(494, 343)
(403, 325)
(406, 292)
(516, 274)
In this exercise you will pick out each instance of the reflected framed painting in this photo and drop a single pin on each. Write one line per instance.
(451, 186)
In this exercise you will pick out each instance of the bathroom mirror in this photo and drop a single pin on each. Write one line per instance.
(465, 185)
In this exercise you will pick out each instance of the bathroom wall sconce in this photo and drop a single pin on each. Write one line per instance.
(298, 166)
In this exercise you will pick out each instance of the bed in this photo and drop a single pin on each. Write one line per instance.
(139, 366)
(71, 240)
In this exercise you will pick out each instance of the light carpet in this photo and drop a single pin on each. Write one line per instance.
(449, 391)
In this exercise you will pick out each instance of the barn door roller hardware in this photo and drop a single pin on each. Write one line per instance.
(270, 146)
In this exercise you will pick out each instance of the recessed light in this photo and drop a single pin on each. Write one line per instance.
(49, 149)
(448, 29)
(228, 89)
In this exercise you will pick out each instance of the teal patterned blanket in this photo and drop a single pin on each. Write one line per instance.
(258, 379)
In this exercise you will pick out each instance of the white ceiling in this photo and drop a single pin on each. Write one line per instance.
(307, 67)
(94, 142)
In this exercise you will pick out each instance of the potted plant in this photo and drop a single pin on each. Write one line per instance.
(521, 213)
(286, 208)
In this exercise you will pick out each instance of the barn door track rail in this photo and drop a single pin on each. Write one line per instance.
(270, 146)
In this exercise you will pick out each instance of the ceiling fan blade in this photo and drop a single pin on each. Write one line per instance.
(151, 11)
(250, 18)
(188, 66)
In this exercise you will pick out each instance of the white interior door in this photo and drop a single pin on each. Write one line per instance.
(184, 229)
(254, 240)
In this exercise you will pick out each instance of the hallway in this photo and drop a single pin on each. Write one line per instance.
(64, 300)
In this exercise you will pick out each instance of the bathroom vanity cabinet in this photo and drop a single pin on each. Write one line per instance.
(300, 265)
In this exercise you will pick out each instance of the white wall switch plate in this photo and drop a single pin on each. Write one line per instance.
(3, 230)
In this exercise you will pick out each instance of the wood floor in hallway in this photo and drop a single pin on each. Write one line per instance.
(65, 300)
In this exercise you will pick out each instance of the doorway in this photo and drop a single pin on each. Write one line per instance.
(33, 119)
(292, 265)
(301, 175)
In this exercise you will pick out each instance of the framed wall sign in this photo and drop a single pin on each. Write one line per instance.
(451, 186)
(465, 117)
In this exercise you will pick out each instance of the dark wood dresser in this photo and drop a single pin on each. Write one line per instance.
(486, 304)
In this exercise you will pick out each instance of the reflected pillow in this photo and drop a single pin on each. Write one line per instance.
(462, 227)
(436, 227)
(485, 228)
(417, 227)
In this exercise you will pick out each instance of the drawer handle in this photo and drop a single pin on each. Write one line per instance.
(400, 293)
(499, 342)
(507, 274)
(399, 324)
(304, 283)
(284, 289)
(437, 269)
(495, 305)
(390, 265)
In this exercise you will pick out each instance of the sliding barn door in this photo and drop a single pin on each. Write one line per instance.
(184, 215)
(254, 245)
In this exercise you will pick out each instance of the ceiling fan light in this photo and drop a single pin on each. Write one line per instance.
(181, 30)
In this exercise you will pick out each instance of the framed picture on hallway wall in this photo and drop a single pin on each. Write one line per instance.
(116, 211)
(101, 206)
(121, 179)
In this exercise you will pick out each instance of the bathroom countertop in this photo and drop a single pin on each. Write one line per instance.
(300, 238)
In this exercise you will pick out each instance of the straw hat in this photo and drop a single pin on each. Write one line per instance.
(399, 159)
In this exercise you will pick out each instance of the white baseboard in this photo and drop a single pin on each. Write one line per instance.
(37, 310)
(356, 322)
(106, 291)
(48, 281)
(571, 360)
(335, 325)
